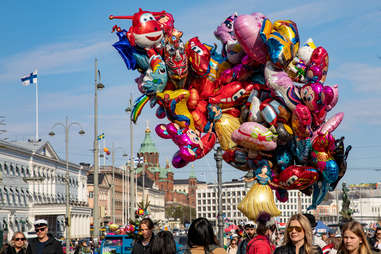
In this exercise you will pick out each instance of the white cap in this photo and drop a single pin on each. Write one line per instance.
(40, 223)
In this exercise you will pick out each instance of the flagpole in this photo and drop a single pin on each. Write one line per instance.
(37, 138)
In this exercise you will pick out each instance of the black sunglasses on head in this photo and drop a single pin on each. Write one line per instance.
(19, 239)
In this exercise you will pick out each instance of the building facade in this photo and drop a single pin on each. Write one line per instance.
(33, 186)
(365, 202)
(232, 194)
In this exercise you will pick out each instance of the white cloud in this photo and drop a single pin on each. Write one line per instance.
(364, 77)
(52, 58)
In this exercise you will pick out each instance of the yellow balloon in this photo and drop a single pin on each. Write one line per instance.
(180, 114)
(224, 129)
(259, 199)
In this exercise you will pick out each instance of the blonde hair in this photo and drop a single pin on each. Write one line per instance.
(356, 228)
(14, 237)
(305, 223)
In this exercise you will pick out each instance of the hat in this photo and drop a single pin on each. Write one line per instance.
(338, 235)
(40, 223)
(249, 224)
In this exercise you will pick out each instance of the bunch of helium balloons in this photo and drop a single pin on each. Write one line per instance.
(262, 97)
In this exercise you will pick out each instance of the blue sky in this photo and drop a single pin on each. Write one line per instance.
(61, 40)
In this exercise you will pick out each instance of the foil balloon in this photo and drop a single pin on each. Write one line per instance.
(318, 67)
(340, 155)
(316, 97)
(254, 136)
(297, 177)
(322, 156)
(224, 128)
(282, 85)
(247, 29)
(232, 94)
(176, 61)
(231, 49)
(198, 56)
(145, 32)
(155, 78)
(282, 40)
(114, 227)
(192, 146)
(260, 197)
(301, 121)
(175, 106)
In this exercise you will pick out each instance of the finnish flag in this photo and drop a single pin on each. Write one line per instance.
(29, 79)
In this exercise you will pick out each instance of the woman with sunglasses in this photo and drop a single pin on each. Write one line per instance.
(18, 244)
(298, 237)
(354, 240)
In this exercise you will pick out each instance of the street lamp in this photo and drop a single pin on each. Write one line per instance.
(132, 197)
(220, 223)
(100, 86)
(67, 126)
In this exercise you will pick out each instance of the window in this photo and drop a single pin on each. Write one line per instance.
(208, 194)
(204, 195)
(199, 202)
(199, 209)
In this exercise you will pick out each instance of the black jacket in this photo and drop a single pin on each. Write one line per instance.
(52, 246)
(11, 250)
(242, 246)
(140, 249)
(290, 249)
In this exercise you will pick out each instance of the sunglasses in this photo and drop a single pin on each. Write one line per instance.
(19, 239)
(297, 228)
(39, 229)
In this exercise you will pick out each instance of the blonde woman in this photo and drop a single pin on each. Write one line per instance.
(354, 240)
(18, 244)
(298, 237)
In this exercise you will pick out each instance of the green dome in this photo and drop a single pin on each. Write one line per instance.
(148, 146)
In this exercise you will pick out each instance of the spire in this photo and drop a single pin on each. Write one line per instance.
(192, 173)
(148, 146)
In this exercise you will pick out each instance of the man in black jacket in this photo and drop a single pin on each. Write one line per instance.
(44, 243)
(143, 245)
(249, 233)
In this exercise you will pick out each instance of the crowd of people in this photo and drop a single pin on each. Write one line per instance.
(297, 238)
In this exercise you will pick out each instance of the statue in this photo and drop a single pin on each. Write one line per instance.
(346, 212)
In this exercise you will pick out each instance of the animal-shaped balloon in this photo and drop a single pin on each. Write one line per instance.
(247, 29)
(231, 49)
(155, 78)
(232, 94)
(192, 146)
(198, 56)
(145, 32)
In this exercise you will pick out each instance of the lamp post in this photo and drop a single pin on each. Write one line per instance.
(98, 85)
(132, 183)
(67, 126)
(218, 158)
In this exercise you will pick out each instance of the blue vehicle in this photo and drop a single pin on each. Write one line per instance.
(117, 244)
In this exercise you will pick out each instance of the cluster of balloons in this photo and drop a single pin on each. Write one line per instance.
(262, 98)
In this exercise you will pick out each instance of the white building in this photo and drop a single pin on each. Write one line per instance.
(33, 187)
(232, 194)
(365, 202)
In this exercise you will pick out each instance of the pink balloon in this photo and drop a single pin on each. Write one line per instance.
(254, 136)
(247, 29)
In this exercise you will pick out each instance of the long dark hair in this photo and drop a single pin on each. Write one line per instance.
(201, 233)
(163, 243)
